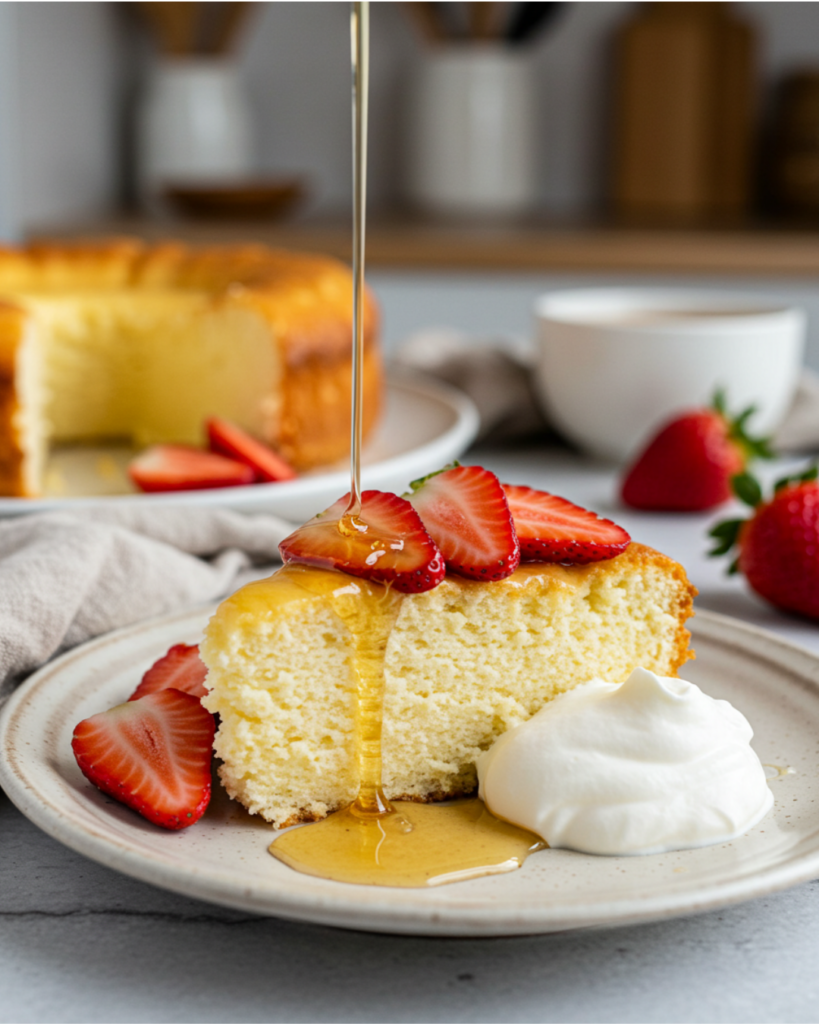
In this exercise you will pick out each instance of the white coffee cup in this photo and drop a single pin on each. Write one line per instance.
(614, 363)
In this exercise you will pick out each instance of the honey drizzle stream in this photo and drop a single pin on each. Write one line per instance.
(369, 637)
(370, 623)
(360, 52)
(371, 841)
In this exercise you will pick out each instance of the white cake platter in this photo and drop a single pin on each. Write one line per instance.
(425, 425)
(223, 858)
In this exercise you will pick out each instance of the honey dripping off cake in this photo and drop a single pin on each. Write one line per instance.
(365, 664)
(124, 341)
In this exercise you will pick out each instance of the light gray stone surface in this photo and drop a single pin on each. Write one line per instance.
(79, 942)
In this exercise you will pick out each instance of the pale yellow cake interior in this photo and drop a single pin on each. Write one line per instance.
(144, 367)
(464, 663)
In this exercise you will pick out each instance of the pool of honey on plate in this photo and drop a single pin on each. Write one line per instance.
(374, 841)
(413, 846)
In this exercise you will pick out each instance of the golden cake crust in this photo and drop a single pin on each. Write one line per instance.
(13, 479)
(305, 300)
(641, 555)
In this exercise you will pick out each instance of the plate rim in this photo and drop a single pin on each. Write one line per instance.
(469, 918)
(460, 435)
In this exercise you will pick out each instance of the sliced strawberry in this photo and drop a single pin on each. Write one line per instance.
(175, 467)
(466, 513)
(226, 438)
(551, 529)
(181, 668)
(386, 543)
(152, 754)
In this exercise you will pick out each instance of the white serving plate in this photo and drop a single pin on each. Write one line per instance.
(425, 425)
(224, 859)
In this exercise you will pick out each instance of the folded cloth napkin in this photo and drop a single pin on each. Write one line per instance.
(498, 375)
(68, 576)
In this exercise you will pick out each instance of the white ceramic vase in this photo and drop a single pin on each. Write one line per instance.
(470, 132)
(193, 126)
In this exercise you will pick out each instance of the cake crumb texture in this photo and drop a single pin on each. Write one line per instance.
(464, 663)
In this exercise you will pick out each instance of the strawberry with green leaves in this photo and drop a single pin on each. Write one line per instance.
(778, 547)
(689, 463)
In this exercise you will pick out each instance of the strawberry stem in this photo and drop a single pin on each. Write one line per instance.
(747, 489)
(416, 485)
(726, 535)
(752, 447)
(809, 474)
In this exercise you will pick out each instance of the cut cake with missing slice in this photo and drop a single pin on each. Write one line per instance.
(464, 663)
(141, 344)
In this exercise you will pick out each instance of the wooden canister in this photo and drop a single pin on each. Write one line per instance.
(684, 113)
(795, 156)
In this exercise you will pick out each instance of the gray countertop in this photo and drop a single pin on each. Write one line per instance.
(79, 942)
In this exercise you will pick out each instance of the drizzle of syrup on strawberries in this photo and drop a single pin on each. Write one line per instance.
(373, 841)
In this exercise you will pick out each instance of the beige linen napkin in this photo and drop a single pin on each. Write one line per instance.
(498, 375)
(68, 576)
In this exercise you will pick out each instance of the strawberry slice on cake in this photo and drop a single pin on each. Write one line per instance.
(552, 529)
(386, 542)
(466, 513)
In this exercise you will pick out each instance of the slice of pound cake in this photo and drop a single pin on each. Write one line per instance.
(464, 662)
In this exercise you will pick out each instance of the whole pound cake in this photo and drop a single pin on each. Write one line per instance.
(464, 662)
(120, 340)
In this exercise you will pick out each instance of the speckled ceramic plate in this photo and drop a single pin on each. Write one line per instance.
(425, 425)
(224, 858)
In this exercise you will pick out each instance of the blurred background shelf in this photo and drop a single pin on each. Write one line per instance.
(73, 78)
(409, 244)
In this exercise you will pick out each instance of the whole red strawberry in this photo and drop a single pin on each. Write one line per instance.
(688, 465)
(779, 544)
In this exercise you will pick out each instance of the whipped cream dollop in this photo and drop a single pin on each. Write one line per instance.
(649, 765)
